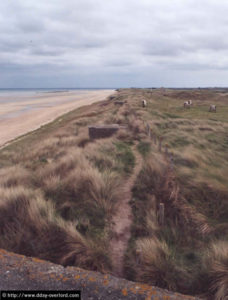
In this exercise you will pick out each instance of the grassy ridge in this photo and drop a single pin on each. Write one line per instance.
(189, 253)
(66, 187)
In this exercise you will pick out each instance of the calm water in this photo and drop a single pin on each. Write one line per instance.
(33, 92)
(14, 102)
(11, 95)
(49, 90)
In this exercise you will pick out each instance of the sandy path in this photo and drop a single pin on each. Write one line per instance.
(122, 220)
(21, 117)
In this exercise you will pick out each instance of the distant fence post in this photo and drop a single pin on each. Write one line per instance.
(160, 144)
(148, 128)
(161, 214)
(155, 139)
(138, 256)
(171, 160)
(166, 150)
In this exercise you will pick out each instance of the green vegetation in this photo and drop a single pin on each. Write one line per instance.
(62, 190)
(125, 156)
(180, 255)
(144, 148)
(59, 190)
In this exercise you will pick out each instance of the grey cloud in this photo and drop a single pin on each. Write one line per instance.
(9, 45)
(131, 39)
(30, 25)
(46, 51)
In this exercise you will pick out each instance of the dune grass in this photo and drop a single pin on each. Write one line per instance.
(63, 190)
(66, 187)
(59, 190)
(176, 255)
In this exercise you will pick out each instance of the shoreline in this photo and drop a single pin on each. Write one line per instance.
(42, 112)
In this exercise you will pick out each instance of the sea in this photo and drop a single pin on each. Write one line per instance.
(26, 99)
(19, 94)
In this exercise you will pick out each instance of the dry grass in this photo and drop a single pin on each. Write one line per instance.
(13, 176)
(29, 225)
(125, 135)
(61, 193)
(158, 265)
(83, 185)
(93, 188)
(195, 195)
(216, 261)
(136, 126)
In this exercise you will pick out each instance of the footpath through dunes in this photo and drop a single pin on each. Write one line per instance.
(122, 220)
(94, 204)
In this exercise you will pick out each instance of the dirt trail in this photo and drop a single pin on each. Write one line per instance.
(122, 220)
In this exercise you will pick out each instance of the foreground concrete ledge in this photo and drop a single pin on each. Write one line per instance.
(18, 272)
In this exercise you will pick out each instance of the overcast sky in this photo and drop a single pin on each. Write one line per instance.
(113, 43)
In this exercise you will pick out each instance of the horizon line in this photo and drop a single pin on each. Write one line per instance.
(133, 87)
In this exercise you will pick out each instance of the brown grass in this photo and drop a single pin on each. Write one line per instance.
(157, 265)
(13, 176)
(29, 225)
(194, 193)
(216, 261)
(61, 193)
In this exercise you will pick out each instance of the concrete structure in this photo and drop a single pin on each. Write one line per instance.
(18, 272)
(119, 102)
(103, 131)
(111, 97)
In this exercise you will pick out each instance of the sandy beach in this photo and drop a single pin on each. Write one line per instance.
(24, 113)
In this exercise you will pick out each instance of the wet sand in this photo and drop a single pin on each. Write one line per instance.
(29, 112)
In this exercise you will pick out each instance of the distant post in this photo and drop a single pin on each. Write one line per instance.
(160, 144)
(171, 160)
(155, 139)
(148, 128)
(161, 214)
(166, 149)
(138, 256)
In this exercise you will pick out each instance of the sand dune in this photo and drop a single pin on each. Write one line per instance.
(22, 115)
